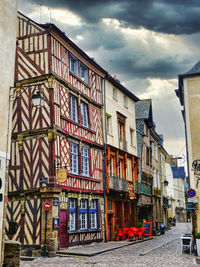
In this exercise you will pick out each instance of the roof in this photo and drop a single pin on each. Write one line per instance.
(143, 111)
(122, 88)
(178, 172)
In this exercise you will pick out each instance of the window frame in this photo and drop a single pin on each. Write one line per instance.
(83, 214)
(83, 68)
(115, 94)
(73, 59)
(73, 108)
(76, 156)
(126, 101)
(85, 159)
(72, 211)
(84, 114)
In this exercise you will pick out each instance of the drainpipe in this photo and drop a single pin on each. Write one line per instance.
(104, 161)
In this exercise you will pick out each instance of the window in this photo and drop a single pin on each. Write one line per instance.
(152, 147)
(154, 178)
(125, 101)
(115, 94)
(109, 124)
(156, 151)
(121, 129)
(111, 165)
(83, 73)
(83, 214)
(74, 158)
(73, 65)
(93, 214)
(131, 136)
(158, 179)
(72, 214)
(120, 168)
(74, 116)
(148, 156)
(84, 114)
(85, 160)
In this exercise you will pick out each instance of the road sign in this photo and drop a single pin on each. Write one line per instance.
(192, 206)
(191, 192)
(47, 205)
(193, 200)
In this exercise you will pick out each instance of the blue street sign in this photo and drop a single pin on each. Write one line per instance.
(191, 192)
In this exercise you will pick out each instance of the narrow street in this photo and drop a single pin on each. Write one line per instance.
(164, 250)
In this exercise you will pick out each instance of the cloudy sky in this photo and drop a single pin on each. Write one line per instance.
(146, 43)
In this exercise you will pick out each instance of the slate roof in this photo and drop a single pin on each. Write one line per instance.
(142, 109)
(194, 70)
(178, 172)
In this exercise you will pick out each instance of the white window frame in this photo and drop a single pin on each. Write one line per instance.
(132, 137)
(73, 108)
(85, 160)
(84, 114)
(115, 93)
(93, 214)
(154, 178)
(73, 64)
(83, 73)
(72, 214)
(83, 214)
(109, 124)
(74, 158)
(126, 101)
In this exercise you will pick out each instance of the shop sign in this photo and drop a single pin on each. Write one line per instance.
(61, 175)
(132, 196)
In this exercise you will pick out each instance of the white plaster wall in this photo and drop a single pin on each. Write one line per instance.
(112, 107)
(8, 25)
(169, 178)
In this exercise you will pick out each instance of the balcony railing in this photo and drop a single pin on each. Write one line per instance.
(123, 144)
(119, 184)
(141, 188)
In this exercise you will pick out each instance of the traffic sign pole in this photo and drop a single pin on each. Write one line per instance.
(47, 207)
(45, 235)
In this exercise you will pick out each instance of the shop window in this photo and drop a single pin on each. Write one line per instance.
(72, 214)
(93, 214)
(83, 214)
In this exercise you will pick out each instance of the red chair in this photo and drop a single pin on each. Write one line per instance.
(131, 234)
(120, 233)
(135, 231)
(126, 232)
(141, 232)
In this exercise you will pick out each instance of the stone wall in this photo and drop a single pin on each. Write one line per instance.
(12, 253)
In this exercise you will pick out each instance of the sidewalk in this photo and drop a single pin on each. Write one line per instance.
(97, 248)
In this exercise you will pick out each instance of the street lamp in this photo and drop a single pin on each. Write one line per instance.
(38, 100)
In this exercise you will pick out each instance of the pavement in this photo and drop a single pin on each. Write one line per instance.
(161, 251)
(98, 248)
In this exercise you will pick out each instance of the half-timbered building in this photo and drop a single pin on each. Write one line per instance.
(121, 158)
(64, 136)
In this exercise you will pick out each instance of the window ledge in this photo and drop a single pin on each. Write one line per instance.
(78, 124)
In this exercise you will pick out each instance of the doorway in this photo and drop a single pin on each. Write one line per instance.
(63, 229)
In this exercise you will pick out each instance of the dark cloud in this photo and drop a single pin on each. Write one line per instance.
(167, 16)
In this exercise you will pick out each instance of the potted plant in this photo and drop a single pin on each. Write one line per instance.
(140, 225)
(116, 236)
(198, 243)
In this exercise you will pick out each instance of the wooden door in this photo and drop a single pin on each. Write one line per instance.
(63, 229)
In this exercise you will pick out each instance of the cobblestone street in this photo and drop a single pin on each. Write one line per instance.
(161, 251)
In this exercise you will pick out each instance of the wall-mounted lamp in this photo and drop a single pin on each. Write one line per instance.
(38, 100)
